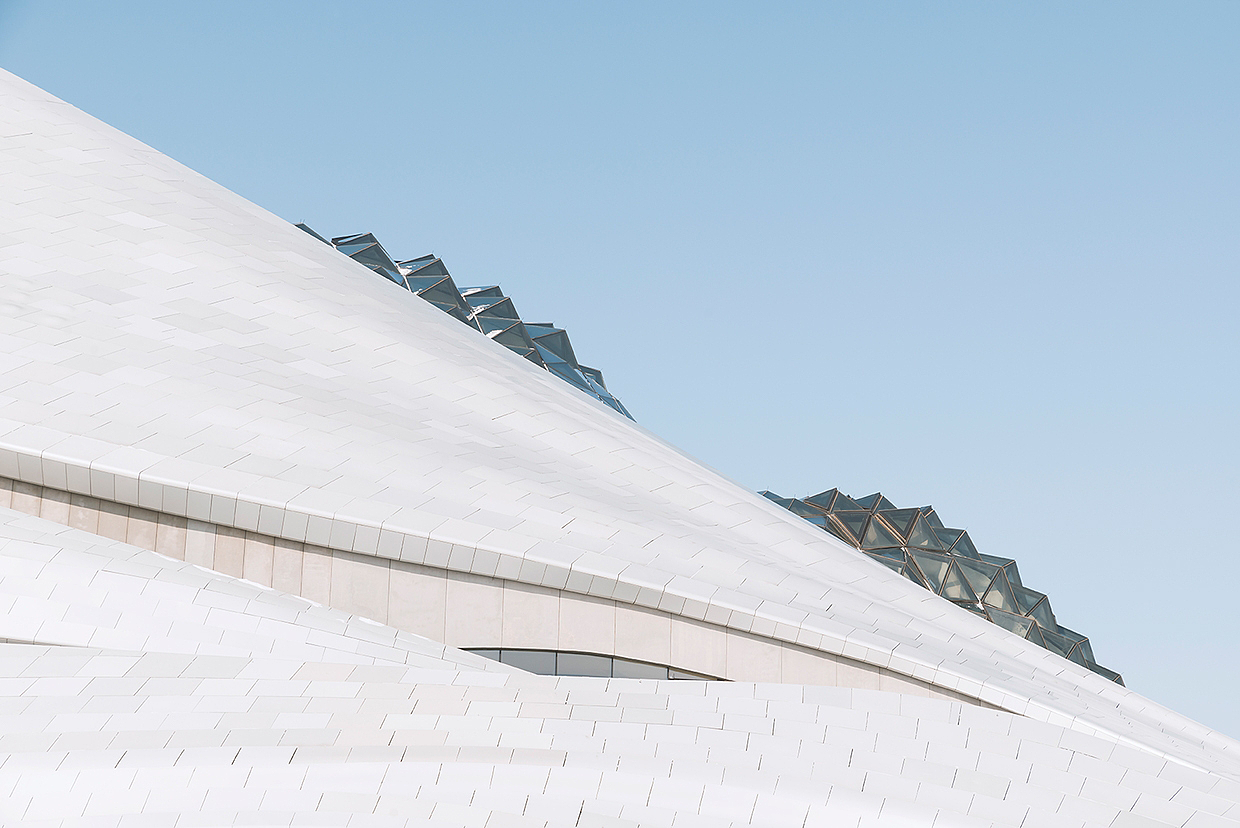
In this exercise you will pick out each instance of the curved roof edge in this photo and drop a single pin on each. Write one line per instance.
(122, 477)
(679, 537)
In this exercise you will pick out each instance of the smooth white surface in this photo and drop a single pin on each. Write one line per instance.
(166, 344)
(216, 702)
(63, 587)
(468, 611)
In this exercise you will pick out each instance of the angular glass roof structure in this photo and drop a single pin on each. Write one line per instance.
(486, 309)
(916, 544)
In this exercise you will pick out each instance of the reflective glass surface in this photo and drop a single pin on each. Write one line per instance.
(853, 522)
(923, 536)
(541, 662)
(901, 520)
(933, 566)
(956, 586)
(623, 668)
(582, 664)
(555, 663)
(916, 544)
(484, 308)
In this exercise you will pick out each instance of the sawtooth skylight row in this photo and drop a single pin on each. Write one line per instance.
(485, 309)
(916, 544)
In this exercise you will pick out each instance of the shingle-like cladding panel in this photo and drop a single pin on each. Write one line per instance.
(166, 343)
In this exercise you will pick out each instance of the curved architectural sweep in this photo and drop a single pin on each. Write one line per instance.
(154, 692)
(171, 348)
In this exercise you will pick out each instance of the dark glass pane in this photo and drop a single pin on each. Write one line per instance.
(823, 499)
(354, 242)
(623, 668)
(420, 283)
(834, 529)
(1077, 656)
(892, 553)
(491, 325)
(914, 574)
(616, 404)
(1042, 613)
(1105, 673)
(426, 267)
(481, 296)
(513, 337)
(1056, 643)
(922, 536)
(593, 374)
(884, 503)
(442, 291)
(304, 227)
(581, 664)
(769, 495)
(933, 566)
(538, 329)
(901, 520)
(846, 503)
(374, 255)
(894, 565)
(568, 374)
(956, 586)
(854, 522)
(1035, 635)
(1026, 598)
(557, 342)
(932, 517)
(1006, 564)
(801, 508)
(877, 535)
(552, 358)
(541, 662)
(1000, 595)
(947, 537)
(869, 501)
(1014, 623)
(964, 546)
(462, 314)
(503, 309)
(977, 573)
(1081, 641)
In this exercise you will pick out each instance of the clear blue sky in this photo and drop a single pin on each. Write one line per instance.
(980, 255)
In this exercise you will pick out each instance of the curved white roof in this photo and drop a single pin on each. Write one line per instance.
(66, 588)
(189, 697)
(165, 343)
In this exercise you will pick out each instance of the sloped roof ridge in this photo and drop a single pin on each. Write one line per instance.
(162, 318)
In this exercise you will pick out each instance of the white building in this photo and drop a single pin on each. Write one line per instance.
(256, 500)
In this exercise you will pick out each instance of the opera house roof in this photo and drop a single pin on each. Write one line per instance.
(237, 468)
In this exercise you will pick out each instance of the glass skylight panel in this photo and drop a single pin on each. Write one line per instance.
(916, 544)
(484, 308)
(912, 542)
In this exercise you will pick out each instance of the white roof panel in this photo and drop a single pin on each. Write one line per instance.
(168, 344)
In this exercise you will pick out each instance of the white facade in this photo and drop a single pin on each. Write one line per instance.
(185, 373)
